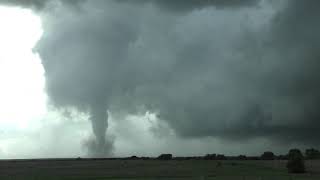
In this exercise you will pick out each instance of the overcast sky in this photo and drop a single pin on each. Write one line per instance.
(175, 76)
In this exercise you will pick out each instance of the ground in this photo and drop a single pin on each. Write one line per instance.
(91, 169)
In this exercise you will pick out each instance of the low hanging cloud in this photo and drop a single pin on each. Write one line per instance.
(38, 4)
(296, 40)
(234, 74)
(185, 6)
(25, 3)
(174, 5)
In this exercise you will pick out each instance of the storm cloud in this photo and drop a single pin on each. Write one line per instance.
(185, 6)
(25, 3)
(38, 4)
(231, 73)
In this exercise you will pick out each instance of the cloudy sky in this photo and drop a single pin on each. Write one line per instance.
(189, 77)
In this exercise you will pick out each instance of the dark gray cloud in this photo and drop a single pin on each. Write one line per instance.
(183, 5)
(38, 4)
(296, 40)
(172, 5)
(208, 73)
(233, 74)
(25, 3)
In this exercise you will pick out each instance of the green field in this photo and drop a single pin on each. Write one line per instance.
(146, 170)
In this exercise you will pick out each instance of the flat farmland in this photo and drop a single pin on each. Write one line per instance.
(104, 169)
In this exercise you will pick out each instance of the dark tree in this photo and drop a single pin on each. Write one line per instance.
(133, 158)
(210, 157)
(267, 156)
(221, 157)
(145, 158)
(242, 157)
(312, 154)
(165, 157)
(295, 161)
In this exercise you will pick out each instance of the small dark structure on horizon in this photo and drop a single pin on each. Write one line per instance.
(221, 157)
(210, 157)
(268, 156)
(242, 157)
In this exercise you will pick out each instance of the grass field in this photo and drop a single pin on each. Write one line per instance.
(149, 170)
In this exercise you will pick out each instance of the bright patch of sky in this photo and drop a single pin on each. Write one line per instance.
(22, 97)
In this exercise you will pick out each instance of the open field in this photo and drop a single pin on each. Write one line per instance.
(150, 169)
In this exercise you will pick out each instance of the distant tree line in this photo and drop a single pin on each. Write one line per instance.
(295, 158)
(312, 154)
(309, 154)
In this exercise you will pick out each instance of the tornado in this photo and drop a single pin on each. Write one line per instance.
(99, 122)
(99, 145)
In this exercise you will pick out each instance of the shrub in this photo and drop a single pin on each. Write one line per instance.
(295, 161)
